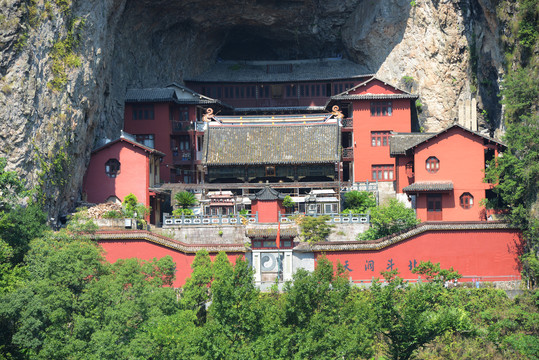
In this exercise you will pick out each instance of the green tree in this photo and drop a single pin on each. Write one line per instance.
(185, 199)
(434, 273)
(288, 203)
(134, 209)
(314, 229)
(196, 291)
(324, 317)
(389, 219)
(358, 202)
(408, 316)
(19, 226)
(74, 304)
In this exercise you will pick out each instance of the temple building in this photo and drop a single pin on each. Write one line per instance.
(305, 126)
(261, 144)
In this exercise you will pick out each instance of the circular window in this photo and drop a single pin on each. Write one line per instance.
(112, 168)
(466, 201)
(432, 164)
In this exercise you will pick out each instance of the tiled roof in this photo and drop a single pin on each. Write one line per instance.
(267, 194)
(375, 97)
(172, 93)
(282, 108)
(125, 137)
(295, 70)
(261, 231)
(149, 95)
(402, 236)
(400, 143)
(273, 119)
(429, 186)
(279, 144)
(165, 241)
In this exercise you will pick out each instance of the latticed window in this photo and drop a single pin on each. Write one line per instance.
(143, 112)
(381, 108)
(432, 164)
(383, 172)
(380, 138)
(466, 200)
(112, 168)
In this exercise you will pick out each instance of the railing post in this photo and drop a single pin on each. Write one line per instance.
(220, 219)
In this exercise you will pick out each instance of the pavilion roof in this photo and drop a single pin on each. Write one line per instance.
(271, 144)
(267, 194)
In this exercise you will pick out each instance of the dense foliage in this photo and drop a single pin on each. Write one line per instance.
(314, 228)
(358, 202)
(70, 303)
(389, 219)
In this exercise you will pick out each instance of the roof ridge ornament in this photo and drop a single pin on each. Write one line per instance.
(208, 116)
(335, 111)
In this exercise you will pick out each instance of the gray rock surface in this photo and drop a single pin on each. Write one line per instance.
(448, 49)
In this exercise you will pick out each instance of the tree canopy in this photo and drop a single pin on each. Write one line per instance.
(389, 219)
(358, 202)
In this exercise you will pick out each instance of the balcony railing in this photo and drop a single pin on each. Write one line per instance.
(236, 219)
(360, 186)
(333, 218)
(181, 155)
(348, 154)
(347, 122)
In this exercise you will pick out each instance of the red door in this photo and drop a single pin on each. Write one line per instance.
(434, 207)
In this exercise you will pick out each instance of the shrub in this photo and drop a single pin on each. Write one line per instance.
(314, 229)
(287, 202)
(358, 202)
(389, 219)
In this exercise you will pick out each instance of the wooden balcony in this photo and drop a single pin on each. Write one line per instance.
(348, 154)
(182, 157)
(347, 123)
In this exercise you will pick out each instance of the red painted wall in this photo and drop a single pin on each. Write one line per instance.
(160, 127)
(268, 211)
(366, 155)
(403, 178)
(132, 178)
(375, 87)
(492, 254)
(145, 250)
(462, 161)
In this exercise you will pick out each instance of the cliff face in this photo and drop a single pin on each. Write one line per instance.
(64, 67)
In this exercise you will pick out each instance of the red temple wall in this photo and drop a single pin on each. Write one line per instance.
(366, 155)
(132, 178)
(145, 250)
(160, 127)
(462, 161)
(268, 211)
(403, 179)
(492, 254)
(375, 87)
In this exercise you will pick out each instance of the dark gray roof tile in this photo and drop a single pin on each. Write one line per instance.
(400, 143)
(150, 95)
(268, 144)
(429, 186)
(267, 194)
